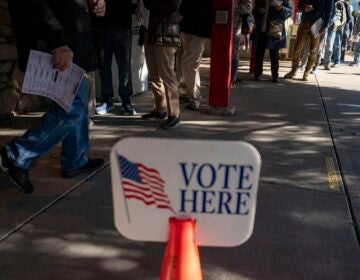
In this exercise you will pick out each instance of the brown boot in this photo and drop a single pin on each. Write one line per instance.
(305, 77)
(290, 75)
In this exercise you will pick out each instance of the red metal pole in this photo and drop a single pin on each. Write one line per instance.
(221, 49)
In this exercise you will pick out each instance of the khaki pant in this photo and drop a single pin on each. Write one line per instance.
(161, 62)
(303, 35)
(194, 47)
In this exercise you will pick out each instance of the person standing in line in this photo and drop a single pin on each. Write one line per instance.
(113, 33)
(195, 34)
(335, 35)
(242, 10)
(163, 39)
(320, 55)
(312, 10)
(62, 28)
(266, 13)
(348, 30)
(356, 39)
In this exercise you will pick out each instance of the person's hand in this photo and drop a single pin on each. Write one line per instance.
(279, 8)
(98, 7)
(62, 58)
(308, 8)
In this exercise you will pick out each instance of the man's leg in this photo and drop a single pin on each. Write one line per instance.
(260, 52)
(75, 145)
(305, 55)
(122, 41)
(157, 85)
(193, 49)
(319, 53)
(337, 46)
(235, 57)
(106, 52)
(56, 125)
(314, 46)
(274, 57)
(92, 95)
(356, 54)
(302, 36)
(179, 73)
(329, 48)
(165, 57)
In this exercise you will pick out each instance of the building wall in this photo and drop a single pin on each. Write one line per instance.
(8, 59)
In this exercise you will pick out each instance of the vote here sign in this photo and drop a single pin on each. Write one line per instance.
(215, 182)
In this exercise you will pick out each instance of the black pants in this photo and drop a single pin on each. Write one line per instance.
(260, 52)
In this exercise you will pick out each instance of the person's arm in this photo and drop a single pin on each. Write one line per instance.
(329, 6)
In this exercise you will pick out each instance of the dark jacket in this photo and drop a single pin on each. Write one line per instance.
(197, 17)
(281, 16)
(118, 13)
(164, 27)
(322, 9)
(47, 24)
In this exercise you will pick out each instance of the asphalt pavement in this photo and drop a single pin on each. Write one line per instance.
(308, 213)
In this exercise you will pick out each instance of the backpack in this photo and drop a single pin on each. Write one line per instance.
(341, 16)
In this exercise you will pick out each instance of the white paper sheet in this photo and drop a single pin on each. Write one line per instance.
(316, 27)
(42, 79)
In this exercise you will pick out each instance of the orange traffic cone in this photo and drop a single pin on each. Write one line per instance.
(181, 260)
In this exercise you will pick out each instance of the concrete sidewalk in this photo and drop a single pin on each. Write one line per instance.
(308, 202)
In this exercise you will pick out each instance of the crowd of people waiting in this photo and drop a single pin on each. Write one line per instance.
(174, 34)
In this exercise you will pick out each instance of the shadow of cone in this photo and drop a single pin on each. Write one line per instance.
(181, 260)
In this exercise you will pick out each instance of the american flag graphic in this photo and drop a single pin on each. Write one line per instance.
(143, 183)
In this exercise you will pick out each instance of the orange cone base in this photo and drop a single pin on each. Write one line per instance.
(181, 260)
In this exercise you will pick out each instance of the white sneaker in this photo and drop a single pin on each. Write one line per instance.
(105, 108)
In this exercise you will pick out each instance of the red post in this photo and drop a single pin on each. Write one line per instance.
(221, 49)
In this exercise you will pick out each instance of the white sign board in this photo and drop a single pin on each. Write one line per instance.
(215, 182)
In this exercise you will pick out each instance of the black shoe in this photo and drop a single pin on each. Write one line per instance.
(18, 176)
(236, 82)
(91, 165)
(154, 115)
(171, 123)
(128, 109)
(275, 79)
(257, 78)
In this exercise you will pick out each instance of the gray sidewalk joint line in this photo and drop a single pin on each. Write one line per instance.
(60, 197)
(337, 159)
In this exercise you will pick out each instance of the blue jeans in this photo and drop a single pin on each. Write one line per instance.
(70, 128)
(115, 40)
(235, 56)
(357, 52)
(329, 46)
(337, 45)
(333, 46)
